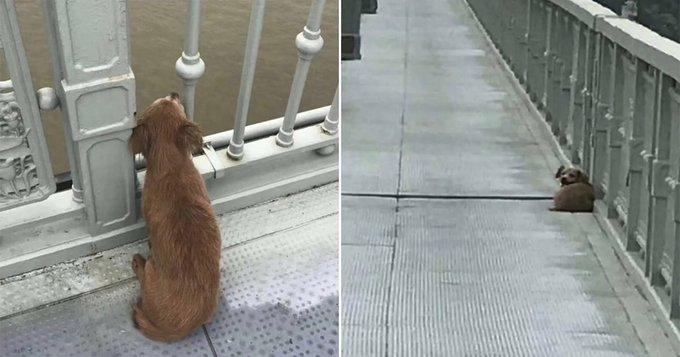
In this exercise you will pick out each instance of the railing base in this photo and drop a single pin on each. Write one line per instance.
(57, 231)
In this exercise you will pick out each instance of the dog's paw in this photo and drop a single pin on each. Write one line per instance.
(138, 262)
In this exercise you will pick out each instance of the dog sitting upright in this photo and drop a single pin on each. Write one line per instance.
(576, 194)
(180, 280)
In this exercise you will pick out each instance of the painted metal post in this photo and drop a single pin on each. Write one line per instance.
(636, 145)
(614, 119)
(526, 52)
(25, 169)
(589, 73)
(675, 276)
(330, 124)
(653, 81)
(575, 99)
(600, 106)
(546, 99)
(235, 149)
(660, 189)
(308, 42)
(97, 95)
(189, 66)
(57, 75)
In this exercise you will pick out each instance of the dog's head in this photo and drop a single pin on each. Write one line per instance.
(570, 175)
(164, 123)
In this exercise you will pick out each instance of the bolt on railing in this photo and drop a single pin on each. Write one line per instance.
(189, 66)
(308, 42)
(235, 149)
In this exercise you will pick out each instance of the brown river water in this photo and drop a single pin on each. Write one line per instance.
(158, 29)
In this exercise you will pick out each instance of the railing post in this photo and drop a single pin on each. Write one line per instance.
(97, 95)
(526, 52)
(675, 275)
(589, 72)
(575, 89)
(614, 119)
(189, 66)
(308, 42)
(636, 145)
(235, 149)
(660, 189)
(600, 105)
(57, 75)
(546, 98)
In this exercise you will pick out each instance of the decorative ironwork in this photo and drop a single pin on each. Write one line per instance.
(18, 175)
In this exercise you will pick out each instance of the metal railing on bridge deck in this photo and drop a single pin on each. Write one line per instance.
(609, 89)
(95, 88)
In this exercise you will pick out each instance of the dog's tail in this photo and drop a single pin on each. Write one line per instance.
(150, 330)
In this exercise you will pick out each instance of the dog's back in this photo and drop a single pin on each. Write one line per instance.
(577, 197)
(180, 280)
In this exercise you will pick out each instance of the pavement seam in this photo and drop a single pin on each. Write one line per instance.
(448, 197)
(207, 337)
(396, 206)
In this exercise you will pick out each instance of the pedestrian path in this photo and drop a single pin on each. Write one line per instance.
(279, 292)
(448, 245)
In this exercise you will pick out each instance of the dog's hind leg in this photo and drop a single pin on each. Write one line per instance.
(138, 264)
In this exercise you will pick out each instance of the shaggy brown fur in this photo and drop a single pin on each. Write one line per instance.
(180, 280)
(576, 194)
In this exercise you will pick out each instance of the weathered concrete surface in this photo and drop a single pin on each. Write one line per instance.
(485, 269)
(279, 292)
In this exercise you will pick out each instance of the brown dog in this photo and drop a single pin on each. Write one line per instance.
(576, 194)
(180, 280)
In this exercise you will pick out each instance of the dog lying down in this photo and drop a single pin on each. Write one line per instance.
(576, 193)
(180, 279)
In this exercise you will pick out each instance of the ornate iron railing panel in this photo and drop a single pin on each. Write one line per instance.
(25, 169)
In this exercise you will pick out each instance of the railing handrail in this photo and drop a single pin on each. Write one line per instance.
(587, 11)
(640, 41)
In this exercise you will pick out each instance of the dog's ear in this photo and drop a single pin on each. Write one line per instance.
(559, 172)
(583, 177)
(139, 140)
(190, 137)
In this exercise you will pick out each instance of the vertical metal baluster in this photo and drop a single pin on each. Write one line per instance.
(57, 75)
(190, 67)
(660, 190)
(308, 42)
(330, 125)
(235, 149)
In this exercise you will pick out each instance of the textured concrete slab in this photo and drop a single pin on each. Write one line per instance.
(524, 285)
(368, 220)
(279, 292)
(478, 266)
(365, 293)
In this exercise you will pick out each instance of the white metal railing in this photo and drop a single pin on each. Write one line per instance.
(94, 88)
(610, 90)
